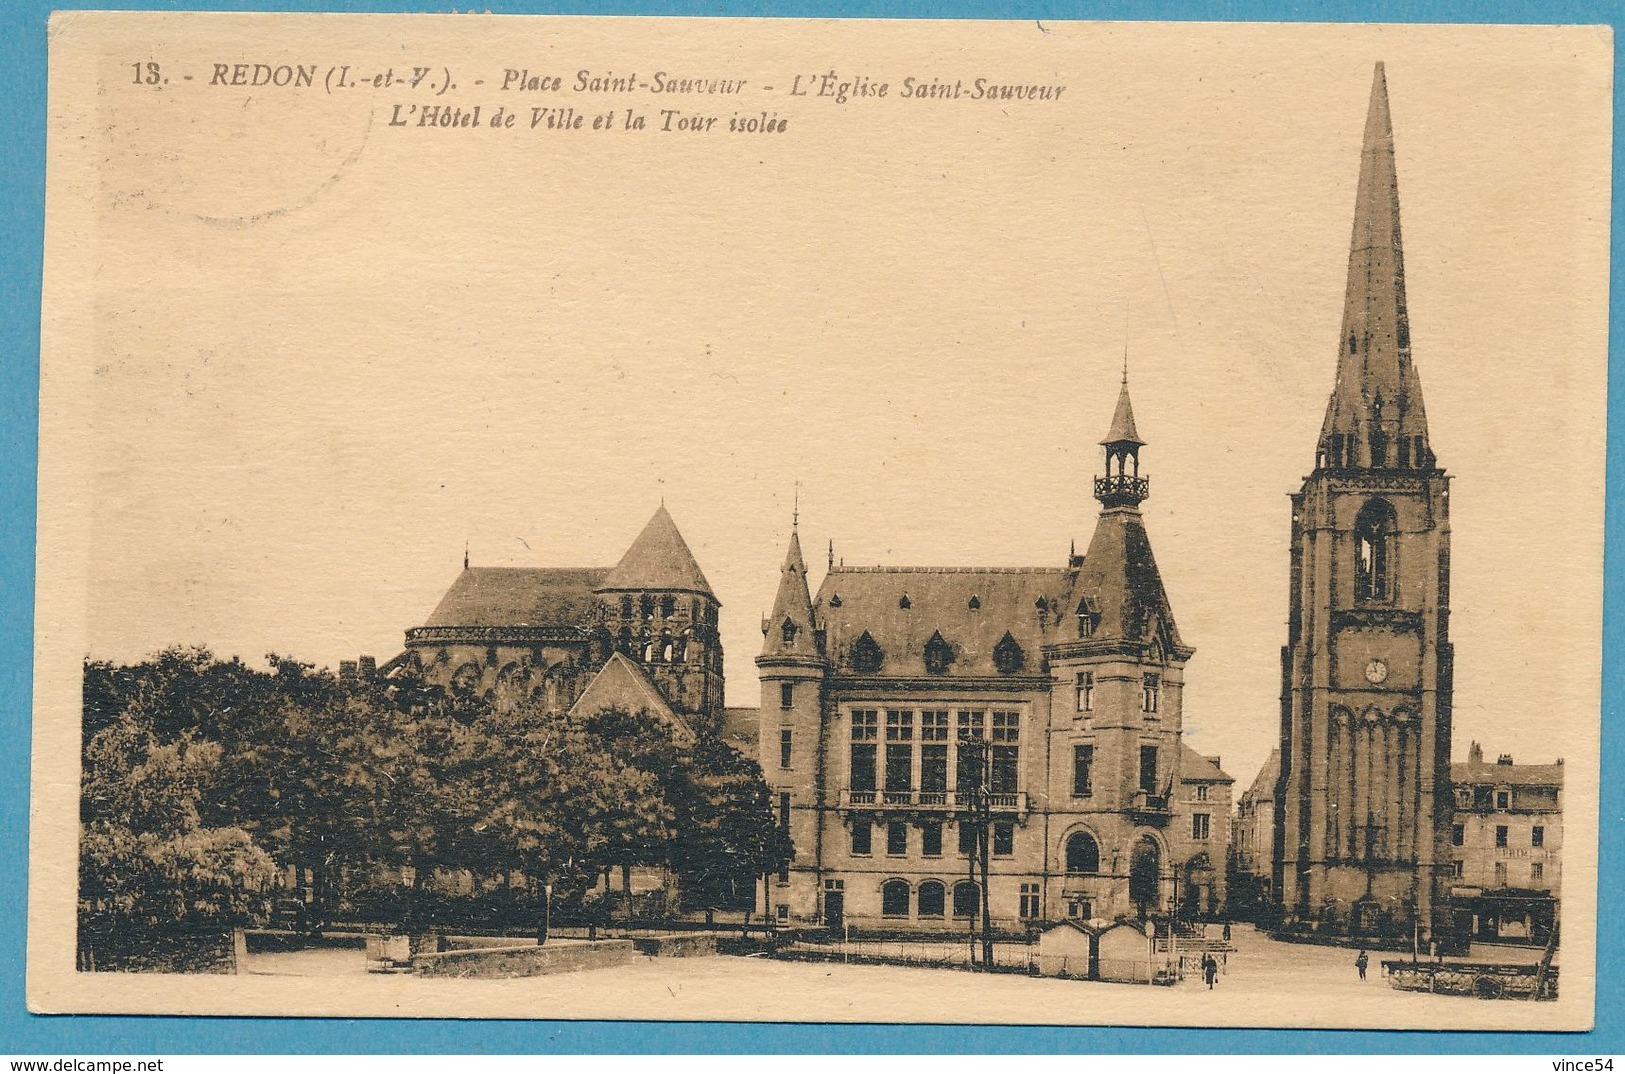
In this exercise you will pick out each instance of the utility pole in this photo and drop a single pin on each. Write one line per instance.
(976, 753)
(984, 835)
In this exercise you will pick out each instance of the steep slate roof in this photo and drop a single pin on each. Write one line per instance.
(1264, 783)
(793, 604)
(621, 684)
(1194, 766)
(1120, 577)
(939, 601)
(519, 596)
(658, 559)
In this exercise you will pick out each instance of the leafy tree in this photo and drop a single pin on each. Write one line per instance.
(727, 836)
(144, 851)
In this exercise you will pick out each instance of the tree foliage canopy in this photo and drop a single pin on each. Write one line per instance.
(205, 780)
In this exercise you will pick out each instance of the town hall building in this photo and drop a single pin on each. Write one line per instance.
(898, 697)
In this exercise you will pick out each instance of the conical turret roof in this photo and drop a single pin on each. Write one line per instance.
(1123, 430)
(1377, 397)
(788, 630)
(658, 560)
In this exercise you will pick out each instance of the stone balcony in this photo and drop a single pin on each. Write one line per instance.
(945, 802)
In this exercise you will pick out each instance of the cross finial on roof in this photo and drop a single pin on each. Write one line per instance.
(795, 509)
(465, 555)
(1125, 363)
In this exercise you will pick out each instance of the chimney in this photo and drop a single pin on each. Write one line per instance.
(1505, 758)
(347, 672)
(1475, 754)
(367, 667)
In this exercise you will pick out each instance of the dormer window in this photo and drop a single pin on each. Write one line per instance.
(1007, 655)
(1088, 617)
(904, 603)
(835, 600)
(974, 604)
(788, 630)
(938, 654)
(867, 655)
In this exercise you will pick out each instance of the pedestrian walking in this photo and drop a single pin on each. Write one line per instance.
(1210, 969)
(1361, 963)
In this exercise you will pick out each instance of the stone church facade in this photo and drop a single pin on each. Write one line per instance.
(890, 694)
(641, 634)
(1363, 805)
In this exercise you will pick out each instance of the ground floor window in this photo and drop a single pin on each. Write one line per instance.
(1029, 902)
(783, 912)
(933, 894)
(1082, 909)
(1082, 854)
(894, 898)
(966, 900)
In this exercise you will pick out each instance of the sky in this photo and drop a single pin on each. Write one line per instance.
(322, 355)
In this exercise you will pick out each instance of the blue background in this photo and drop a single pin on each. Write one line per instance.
(22, 201)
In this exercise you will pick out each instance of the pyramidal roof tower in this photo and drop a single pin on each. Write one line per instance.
(1375, 419)
(658, 560)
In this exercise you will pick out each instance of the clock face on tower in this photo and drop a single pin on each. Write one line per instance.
(1376, 672)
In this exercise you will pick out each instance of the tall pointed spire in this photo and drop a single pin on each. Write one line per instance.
(788, 629)
(1375, 418)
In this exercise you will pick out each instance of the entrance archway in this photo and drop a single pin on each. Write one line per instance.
(1145, 876)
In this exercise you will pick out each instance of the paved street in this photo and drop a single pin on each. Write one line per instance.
(1265, 983)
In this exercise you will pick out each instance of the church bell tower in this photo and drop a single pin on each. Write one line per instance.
(1363, 805)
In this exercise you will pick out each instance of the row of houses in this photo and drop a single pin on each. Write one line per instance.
(1506, 843)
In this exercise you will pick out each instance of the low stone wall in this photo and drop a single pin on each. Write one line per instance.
(524, 960)
(678, 945)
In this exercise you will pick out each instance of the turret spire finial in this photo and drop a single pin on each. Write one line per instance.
(795, 509)
(465, 555)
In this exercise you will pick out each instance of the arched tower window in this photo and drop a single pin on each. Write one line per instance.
(1082, 854)
(1374, 531)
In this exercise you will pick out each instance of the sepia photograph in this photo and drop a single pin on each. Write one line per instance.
(821, 521)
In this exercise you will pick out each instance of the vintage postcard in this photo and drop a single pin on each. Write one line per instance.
(821, 521)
